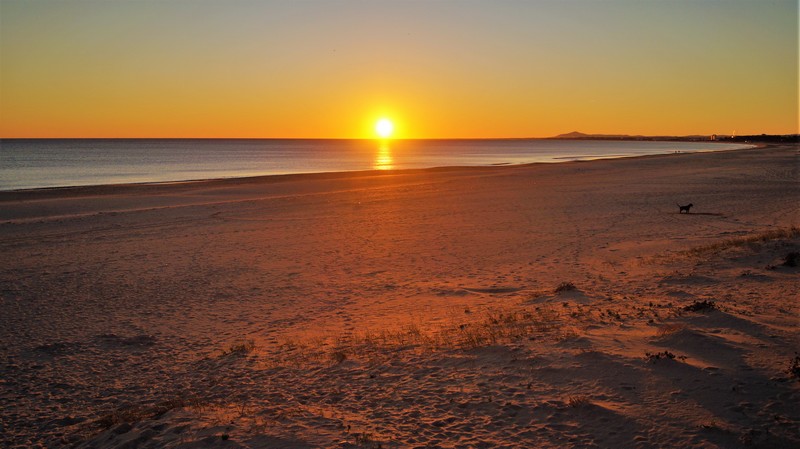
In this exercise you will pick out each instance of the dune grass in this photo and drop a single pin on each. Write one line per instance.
(139, 412)
(476, 330)
(761, 237)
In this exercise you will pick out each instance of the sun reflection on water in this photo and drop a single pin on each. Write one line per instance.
(383, 158)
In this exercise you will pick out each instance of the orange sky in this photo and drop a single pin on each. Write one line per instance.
(442, 69)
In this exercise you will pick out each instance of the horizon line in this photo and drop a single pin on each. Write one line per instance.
(560, 137)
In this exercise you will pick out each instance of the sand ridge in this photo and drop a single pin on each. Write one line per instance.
(410, 309)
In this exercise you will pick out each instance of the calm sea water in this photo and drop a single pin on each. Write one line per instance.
(34, 163)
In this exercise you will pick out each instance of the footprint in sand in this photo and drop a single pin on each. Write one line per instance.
(494, 290)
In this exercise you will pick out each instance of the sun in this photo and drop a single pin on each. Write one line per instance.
(384, 128)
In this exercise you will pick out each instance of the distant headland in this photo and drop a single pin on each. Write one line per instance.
(784, 138)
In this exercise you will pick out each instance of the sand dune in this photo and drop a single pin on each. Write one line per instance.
(561, 305)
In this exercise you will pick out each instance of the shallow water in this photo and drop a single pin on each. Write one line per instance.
(38, 163)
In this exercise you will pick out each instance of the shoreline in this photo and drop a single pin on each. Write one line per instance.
(577, 158)
(86, 201)
(89, 189)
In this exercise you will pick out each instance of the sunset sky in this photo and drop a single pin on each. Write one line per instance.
(438, 69)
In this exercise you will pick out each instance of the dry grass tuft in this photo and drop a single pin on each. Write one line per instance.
(136, 413)
(650, 356)
(669, 329)
(498, 327)
(701, 306)
(476, 330)
(565, 287)
(240, 348)
(663, 355)
(338, 357)
(578, 401)
(763, 237)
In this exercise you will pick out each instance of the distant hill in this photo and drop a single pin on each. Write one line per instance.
(576, 135)
(580, 135)
(572, 135)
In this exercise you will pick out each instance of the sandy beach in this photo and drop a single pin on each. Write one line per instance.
(561, 305)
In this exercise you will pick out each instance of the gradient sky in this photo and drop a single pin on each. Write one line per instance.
(439, 69)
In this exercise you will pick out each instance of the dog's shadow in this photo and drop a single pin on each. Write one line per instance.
(713, 214)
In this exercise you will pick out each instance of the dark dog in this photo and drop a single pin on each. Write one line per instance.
(686, 208)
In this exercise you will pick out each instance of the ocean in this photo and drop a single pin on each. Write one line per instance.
(47, 163)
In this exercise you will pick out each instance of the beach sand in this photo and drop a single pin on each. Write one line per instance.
(551, 305)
